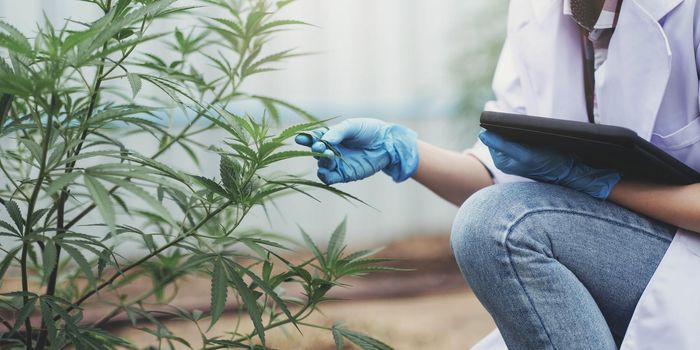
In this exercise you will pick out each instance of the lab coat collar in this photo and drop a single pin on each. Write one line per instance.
(541, 9)
(641, 52)
(656, 8)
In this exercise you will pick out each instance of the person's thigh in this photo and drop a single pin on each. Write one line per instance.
(560, 246)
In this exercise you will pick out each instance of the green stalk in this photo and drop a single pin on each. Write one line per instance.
(180, 135)
(25, 299)
(121, 308)
(63, 197)
(5, 104)
(299, 316)
(160, 152)
(156, 252)
(30, 213)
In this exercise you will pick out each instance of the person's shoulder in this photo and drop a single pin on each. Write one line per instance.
(519, 13)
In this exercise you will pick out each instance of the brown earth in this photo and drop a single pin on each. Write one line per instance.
(429, 307)
(453, 320)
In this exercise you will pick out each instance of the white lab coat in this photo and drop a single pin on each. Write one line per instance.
(651, 86)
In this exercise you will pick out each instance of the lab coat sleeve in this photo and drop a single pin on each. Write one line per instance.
(697, 59)
(509, 99)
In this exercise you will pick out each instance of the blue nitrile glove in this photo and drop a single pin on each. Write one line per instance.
(365, 147)
(549, 166)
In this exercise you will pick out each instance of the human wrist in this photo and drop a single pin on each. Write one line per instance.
(401, 143)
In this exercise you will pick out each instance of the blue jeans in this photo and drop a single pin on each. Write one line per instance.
(555, 268)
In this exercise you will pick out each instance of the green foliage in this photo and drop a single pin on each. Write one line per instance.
(364, 341)
(78, 193)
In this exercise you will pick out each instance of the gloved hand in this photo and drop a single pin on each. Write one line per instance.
(364, 146)
(549, 166)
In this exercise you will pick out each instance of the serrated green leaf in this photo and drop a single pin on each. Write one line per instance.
(301, 112)
(100, 196)
(218, 291)
(15, 214)
(314, 248)
(103, 260)
(230, 173)
(145, 196)
(271, 293)
(135, 83)
(9, 227)
(338, 336)
(5, 103)
(47, 317)
(284, 155)
(7, 261)
(61, 182)
(48, 259)
(267, 269)
(58, 151)
(23, 313)
(235, 28)
(362, 340)
(37, 215)
(272, 25)
(335, 244)
(33, 148)
(14, 40)
(308, 183)
(249, 300)
(210, 185)
(296, 129)
(83, 264)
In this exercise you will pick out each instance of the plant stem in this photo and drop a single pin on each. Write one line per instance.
(25, 289)
(174, 140)
(6, 324)
(6, 102)
(117, 310)
(123, 271)
(299, 316)
(51, 286)
(160, 152)
(30, 215)
(121, 308)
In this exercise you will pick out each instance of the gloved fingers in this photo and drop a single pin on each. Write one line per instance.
(319, 147)
(337, 133)
(504, 146)
(328, 160)
(309, 138)
(304, 139)
(329, 177)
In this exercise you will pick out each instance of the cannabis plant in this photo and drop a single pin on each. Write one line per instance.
(80, 190)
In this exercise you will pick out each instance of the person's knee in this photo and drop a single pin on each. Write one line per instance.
(478, 231)
(481, 232)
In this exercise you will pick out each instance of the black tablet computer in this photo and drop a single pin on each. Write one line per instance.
(601, 146)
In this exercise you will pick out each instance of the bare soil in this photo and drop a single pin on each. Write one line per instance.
(454, 320)
(429, 307)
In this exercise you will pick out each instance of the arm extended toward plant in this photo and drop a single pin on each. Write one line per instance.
(451, 175)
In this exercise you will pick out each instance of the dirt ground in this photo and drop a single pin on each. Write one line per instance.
(443, 321)
(427, 308)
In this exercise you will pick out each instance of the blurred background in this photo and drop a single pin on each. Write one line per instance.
(424, 64)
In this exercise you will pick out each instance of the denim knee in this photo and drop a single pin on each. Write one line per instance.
(481, 230)
(478, 232)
